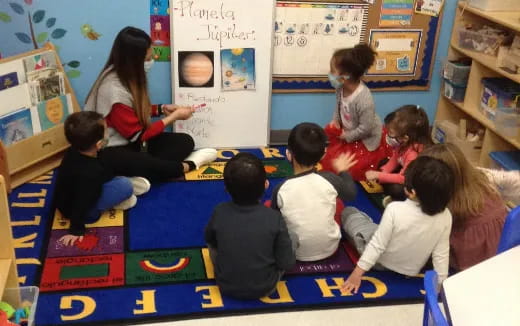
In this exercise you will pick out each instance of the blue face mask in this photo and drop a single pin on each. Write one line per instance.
(335, 82)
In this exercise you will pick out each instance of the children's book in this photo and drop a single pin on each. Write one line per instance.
(44, 89)
(15, 66)
(54, 111)
(14, 98)
(16, 126)
(42, 73)
(9, 80)
(40, 61)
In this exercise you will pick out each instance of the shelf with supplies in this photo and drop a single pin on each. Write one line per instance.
(492, 111)
(35, 99)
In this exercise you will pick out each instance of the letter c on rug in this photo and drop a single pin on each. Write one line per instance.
(214, 297)
(380, 291)
(89, 305)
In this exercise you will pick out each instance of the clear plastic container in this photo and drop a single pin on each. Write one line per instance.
(480, 41)
(457, 72)
(445, 131)
(495, 5)
(27, 294)
(499, 94)
(453, 91)
(507, 121)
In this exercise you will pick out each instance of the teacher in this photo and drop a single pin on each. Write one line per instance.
(136, 146)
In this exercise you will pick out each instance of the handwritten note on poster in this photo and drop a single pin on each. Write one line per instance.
(217, 47)
(307, 34)
(397, 51)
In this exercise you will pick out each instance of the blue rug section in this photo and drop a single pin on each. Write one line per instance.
(31, 216)
(138, 304)
(173, 215)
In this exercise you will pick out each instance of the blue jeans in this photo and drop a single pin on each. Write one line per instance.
(114, 192)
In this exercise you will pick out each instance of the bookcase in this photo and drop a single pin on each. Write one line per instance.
(482, 66)
(8, 273)
(31, 157)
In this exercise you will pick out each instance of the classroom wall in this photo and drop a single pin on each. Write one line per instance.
(108, 17)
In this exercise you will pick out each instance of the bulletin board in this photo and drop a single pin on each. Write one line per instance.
(221, 65)
(307, 32)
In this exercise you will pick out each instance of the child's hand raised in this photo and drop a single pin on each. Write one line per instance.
(70, 239)
(344, 162)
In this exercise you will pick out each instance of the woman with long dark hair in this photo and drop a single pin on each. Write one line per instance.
(136, 146)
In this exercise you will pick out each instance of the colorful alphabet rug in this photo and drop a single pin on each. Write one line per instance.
(151, 263)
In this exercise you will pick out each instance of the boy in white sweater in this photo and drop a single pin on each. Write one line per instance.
(411, 231)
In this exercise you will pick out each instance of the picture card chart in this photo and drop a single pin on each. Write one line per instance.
(397, 51)
(160, 29)
(308, 33)
(221, 66)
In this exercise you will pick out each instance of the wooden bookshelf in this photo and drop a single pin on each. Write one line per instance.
(36, 155)
(8, 273)
(482, 66)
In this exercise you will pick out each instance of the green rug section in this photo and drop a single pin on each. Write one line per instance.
(278, 168)
(83, 271)
(164, 266)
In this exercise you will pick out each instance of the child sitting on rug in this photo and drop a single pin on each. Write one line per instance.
(84, 187)
(355, 127)
(477, 205)
(307, 200)
(408, 134)
(248, 242)
(410, 231)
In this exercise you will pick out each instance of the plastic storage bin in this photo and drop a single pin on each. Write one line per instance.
(508, 161)
(453, 91)
(481, 41)
(507, 121)
(29, 294)
(457, 72)
(499, 94)
(495, 5)
(445, 131)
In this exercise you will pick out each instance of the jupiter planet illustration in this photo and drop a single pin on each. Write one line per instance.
(196, 69)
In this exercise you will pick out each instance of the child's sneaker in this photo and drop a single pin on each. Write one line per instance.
(140, 185)
(127, 203)
(387, 200)
(202, 156)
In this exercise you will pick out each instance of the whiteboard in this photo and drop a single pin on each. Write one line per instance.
(222, 64)
(308, 33)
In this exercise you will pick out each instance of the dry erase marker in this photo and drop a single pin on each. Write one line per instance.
(196, 107)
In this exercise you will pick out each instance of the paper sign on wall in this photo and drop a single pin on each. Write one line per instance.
(397, 51)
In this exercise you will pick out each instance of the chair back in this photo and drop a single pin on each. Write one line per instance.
(432, 312)
(511, 232)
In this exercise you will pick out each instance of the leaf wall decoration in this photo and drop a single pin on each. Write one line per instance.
(38, 16)
(58, 33)
(29, 2)
(73, 73)
(50, 22)
(17, 8)
(42, 37)
(74, 64)
(24, 38)
(5, 17)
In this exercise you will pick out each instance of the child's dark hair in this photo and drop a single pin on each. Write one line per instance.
(433, 182)
(84, 129)
(307, 142)
(354, 61)
(244, 177)
(412, 121)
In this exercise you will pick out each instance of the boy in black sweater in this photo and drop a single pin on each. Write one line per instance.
(249, 244)
(84, 187)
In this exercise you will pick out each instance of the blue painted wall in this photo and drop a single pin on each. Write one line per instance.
(108, 17)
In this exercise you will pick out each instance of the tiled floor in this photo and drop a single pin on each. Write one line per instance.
(399, 315)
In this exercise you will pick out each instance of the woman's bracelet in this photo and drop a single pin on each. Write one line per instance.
(160, 109)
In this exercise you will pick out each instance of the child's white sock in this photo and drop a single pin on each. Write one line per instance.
(202, 156)
(127, 203)
(140, 185)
